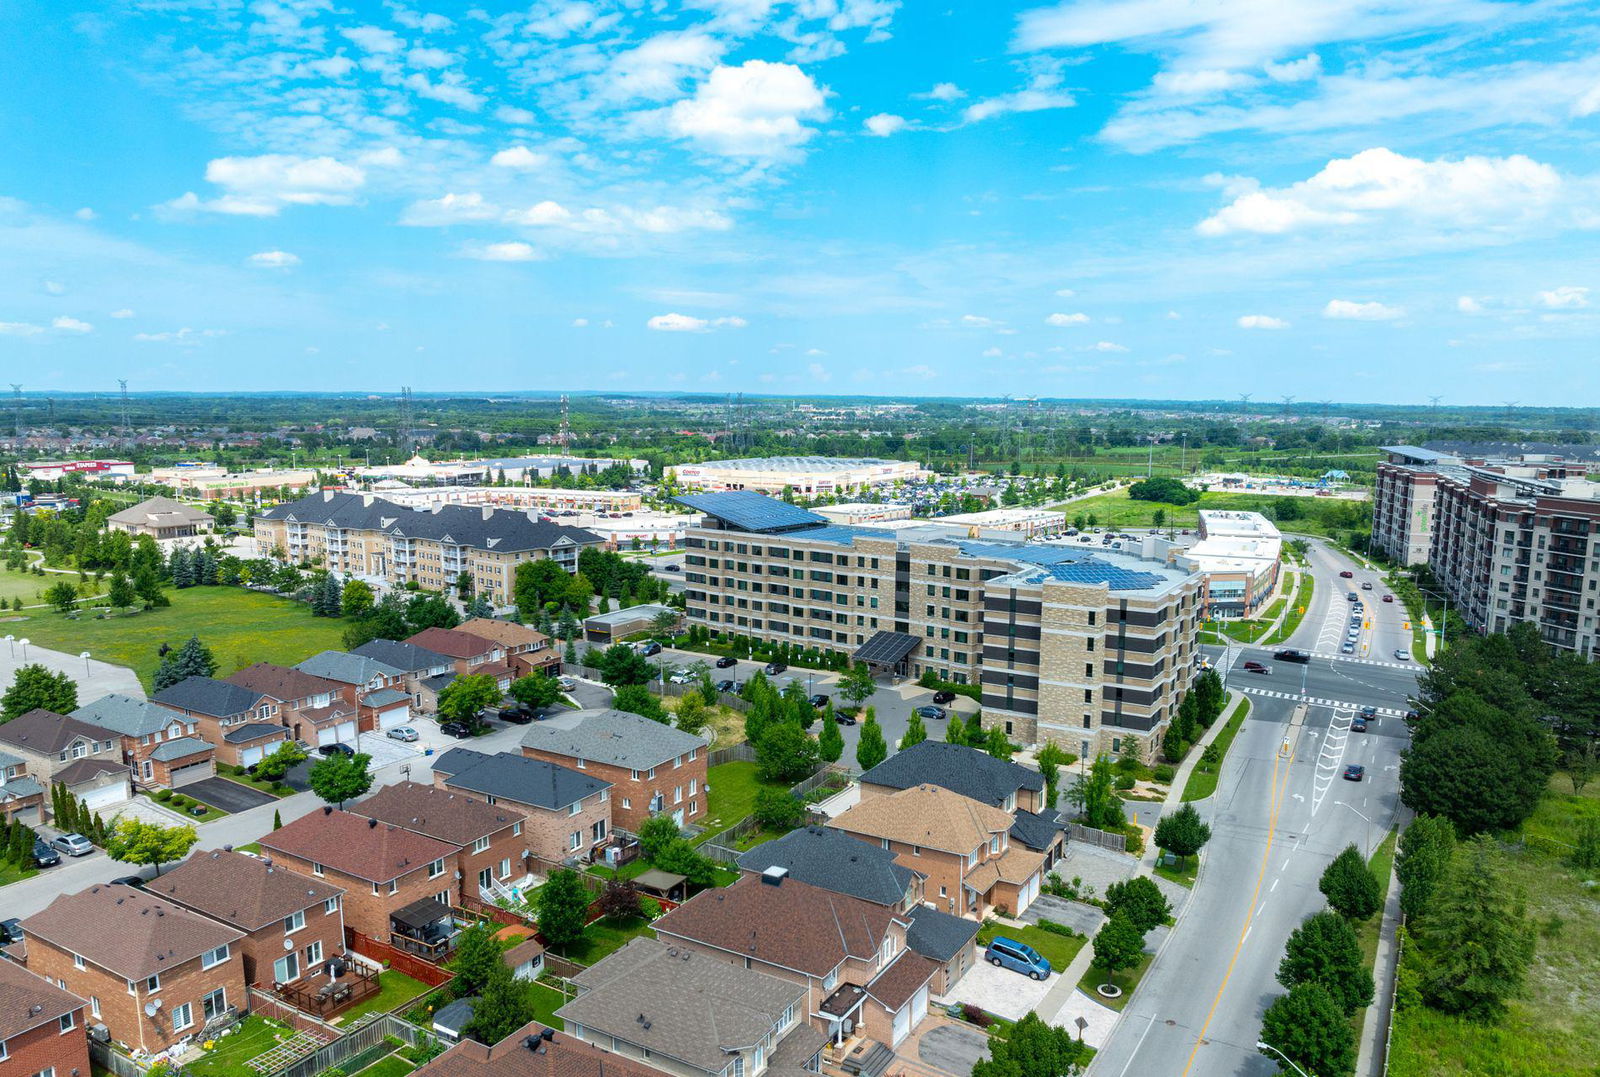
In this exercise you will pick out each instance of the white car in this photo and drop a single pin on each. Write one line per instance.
(683, 676)
(402, 732)
(567, 683)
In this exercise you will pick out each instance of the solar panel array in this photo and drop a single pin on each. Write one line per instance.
(750, 511)
(886, 648)
(843, 534)
(1030, 553)
(1091, 570)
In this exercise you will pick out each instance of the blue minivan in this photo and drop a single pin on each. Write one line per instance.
(1018, 957)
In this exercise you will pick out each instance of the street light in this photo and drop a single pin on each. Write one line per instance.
(85, 657)
(1265, 1046)
(24, 645)
(1367, 836)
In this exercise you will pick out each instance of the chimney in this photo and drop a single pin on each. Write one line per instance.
(327, 809)
(775, 875)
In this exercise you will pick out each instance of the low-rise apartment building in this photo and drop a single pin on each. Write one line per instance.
(1085, 648)
(42, 1031)
(1239, 556)
(566, 813)
(369, 536)
(653, 768)
(161, 747)
(491, 848)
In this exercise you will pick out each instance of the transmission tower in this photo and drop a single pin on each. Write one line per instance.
(564, 434)
(1288, 399)
(1511, 408)
(127, 424)
(1244, 400)
(50, 411)
(16, 412)
(405, 434)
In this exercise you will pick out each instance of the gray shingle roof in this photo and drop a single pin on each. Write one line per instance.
(611, 736)
(385, 697)
(1036, 830)
(9, 760)
(939, 935)
(130, 717)
(181, 748)
(405, 657)
(20, 788)
(955, 767)
(501, 530)
(833, 860)
(208, 695)
(45, 731)
(346, 667)
(516, 778)
(239, 734)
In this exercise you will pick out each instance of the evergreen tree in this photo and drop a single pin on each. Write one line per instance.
(871, 748)
(830, 742)
(193, 659)
(956, 731)
(1477, 938)
(915, 732)
(1422, 862)
(181, 567)
(120, 592)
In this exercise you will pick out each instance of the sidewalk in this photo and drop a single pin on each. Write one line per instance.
(1375, 1021)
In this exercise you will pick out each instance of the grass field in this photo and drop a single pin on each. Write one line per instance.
(240, 627)
(604, 937)
(395, 988)
(1128, 980)
(1297, 607)
(254, 1036)
(10, 873)
(393, 1066)
(1315, 515)
(1203, 778)
(733, 795)
(546, 1001)
(1059, 950)
(1183, 872)
(28, 587)
(1554, 1029)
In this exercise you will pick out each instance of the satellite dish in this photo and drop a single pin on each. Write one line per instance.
(151, 1007)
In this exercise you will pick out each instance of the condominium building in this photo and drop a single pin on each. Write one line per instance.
(1403, 500)
(544, 498)
(368, 536)
(808, 476)
(1086, 648)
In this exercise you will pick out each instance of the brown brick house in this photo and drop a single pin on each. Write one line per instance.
(963, 847)
(399, 885)
(241, 723)
(527, 650)
(21, 796)
(382, 699)
(41, 1026)
(269, 904)
(314, 709)
(653, 769)
(567, 813)
(83, 757)
(153, 973)
(468, 653)
(161, 746)
(491, 849)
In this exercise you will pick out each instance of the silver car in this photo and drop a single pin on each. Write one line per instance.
(72, 845)
(402, 732)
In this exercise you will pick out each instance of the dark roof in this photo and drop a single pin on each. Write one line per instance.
(453, 642)
(245, 892)
(1036, 830)
(47, 732)
(349, 668)
(241, 734)
(182, 748)
(535, 782)
(833, 860)
(130, 717)
(385, 697)
(439, 682)
(282, 682)
(453, 1016)
(438, 813)
(28, 1001)
(421, 912)
(939, 935)
(955, 767)
(348, 843)
(87, 770)
(887, 648)
(746, 510)
(499, 530)
(610, 736)
(207, 695)
(894, 986)
(136, 934)
(559, 1056)
(402, 656)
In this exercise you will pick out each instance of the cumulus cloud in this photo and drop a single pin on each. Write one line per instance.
(518, 159)
(1202, 83)
(513, 251)
(884, 124)
(450, 209)
(1379, 185)
(1064, 320)
(684, 323)
(657, 69)
(123, 313)
(273, 260)
(1261, 321)
(1567, 297)
(978, 321)
(261, 186)
(451, 88)
(943, 91)
(1349, 310)
(1307, 67)
(756, 110)
(1106, 346)
(85, 214)
(71, 325)
(1468, 305)
(580, 323)
(513, 115)
(374, 39)
(992, 353)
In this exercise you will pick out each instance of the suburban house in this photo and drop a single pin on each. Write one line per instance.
(383, 701)
(653, 768)
(41, 1026)
(948, 941)
(162, 518)
(153, 973)
(973, 773)
(416, 664)
(241, 723)
(314, 709)
(849, 954)
(962, 846)
(533, 1051)
(468, 653)
(567, 813)
(399, 885)
(21, 795)
(693, 1014)
(527, 649)
(491, 851)
(269, 904)
(159, 745)
(83, 757)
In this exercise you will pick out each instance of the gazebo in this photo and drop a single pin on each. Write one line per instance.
(662, 884)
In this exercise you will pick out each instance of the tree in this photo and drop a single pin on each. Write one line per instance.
(691, 715)
(560, 908)
(1140, 900)
(1309, 1027)
(536, 583)
(1095, 797)
(477, 952)
(681, 858)
(998, 744)
(778, 809)
(193, 659)
(119, 594)
(871, 748)
(536, 691)
(280, 761)
(956, 731)
(1050, 760)
(1210, 696)
(1478, 939)
(1349, 885)
(637, 699)
(355, 598)
(1324, 950)
(785, 753)
(430, 611)
(916, 733)
(1117, 945)
(1170, 491)
(1173, 746)
(619, 900)
(1182, 833)
(504, 1006)
(338, 778)
(1480, 760)
(135, 841)
(1422, 861)
(464, 698)
(1032, 1048)
(620, 664)
(1580, 765)
(856, 684)
(654, 834)
(830, 742)
(62, 595)
(36, 687)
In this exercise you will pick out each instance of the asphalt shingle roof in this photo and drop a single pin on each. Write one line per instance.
(1037, 830)
(939, 935)
(240, 734)
(955, 767)
(28, 1001)
(500, 530)
(182, 748)
(131, 717)
(242, 891)
(516, 778)
(136, 934)
(405, 657)
(348, 668)
(560, 1056)
(453, 642)
(45, 731)
(282, 682)
(611, 736)
(207, 695)
(349, 843)
(926, 815)
(833, 860)
(438, 813)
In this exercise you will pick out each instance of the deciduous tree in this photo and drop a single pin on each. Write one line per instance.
(536, 691)
(464, 698)
(1309, 1027)
(560, 907)
(1422, 861)
(135, 841)
(1140, 900)
(1117, 945)
(1032, 1048)
(871, 748)
(1324, 950)
(1182, 833)
(916, 732)
(830, 742)
(35, 686)
(1349, 885)
(338, 778)
(785, 753)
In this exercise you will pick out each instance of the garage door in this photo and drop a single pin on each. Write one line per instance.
(105, 796)
(28, 815)
(253, 755)
(194, 772)
(394, 716)
(902, 1025)
(919, 1005)
(342, 732)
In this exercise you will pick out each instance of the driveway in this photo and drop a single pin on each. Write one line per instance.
(1002, 992)
(226, 796)
(953, 1048)
(1084, 919)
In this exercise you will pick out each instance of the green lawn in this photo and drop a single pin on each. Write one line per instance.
(396, 989)
(392, 1066)
(1300, 603)
(252, 1037)
(257, 784)
(1059, 950)
(211, 813)
(241, 627)
(1313, 515)
(1367, 932)
(1203, 778)
(546, 1001)
(252, 847)
(1128, 980)
(604, 937)
(732, 797)
(11, 874)
(1183, 873)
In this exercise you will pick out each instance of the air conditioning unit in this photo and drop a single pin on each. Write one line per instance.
(99, 1033)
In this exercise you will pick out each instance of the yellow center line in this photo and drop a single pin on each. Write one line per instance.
(1272, 826)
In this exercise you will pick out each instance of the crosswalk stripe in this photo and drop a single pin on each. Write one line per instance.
(1318, 701)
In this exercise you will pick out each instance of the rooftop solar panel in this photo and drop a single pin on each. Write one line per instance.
(843, 534)
(1090, 570)
(886, 648)
(750, 511)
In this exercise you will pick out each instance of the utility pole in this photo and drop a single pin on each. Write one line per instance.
(404, 434)
(1183, 458)
(16, 413)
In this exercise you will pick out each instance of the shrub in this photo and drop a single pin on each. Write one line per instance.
(163, 795)
(1056, 929)
(1125, 781)
(649, 908)
(976, 1015)
(1164, 773)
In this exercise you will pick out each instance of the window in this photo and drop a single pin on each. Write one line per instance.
(77, 961)
(182, 1017)
(314, 954)
(694, 786)
(575, 807)
(505, 867)
(153, 983)
(942, 892)
(634, 775)
(677, 794)
(316, 869)
(692, 753)
(677, 762)
(575, 840)
(394, 884)
(294, 922)
(516, 830)
(212, 958)
(330, 906)
(435, 870)
(598, 831)
(481, 845)
(830, 981)
(215, 1004)
(68, 1021)
(626, 804)
(651, 773)
(581, 764)
(286, 969)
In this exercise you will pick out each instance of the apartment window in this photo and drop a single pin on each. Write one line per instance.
(314, 954)
(77, 961)
(212, 958)
(436, 869)
(68, 1021)
(575, 840)
(182, 1017)
(294, 922)
(481, 845)
(94, 1005)
(330, 906)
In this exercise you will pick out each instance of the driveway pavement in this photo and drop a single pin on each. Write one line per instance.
(1084, 919)
(1002, 992)
(953, 1048)
(227, 796)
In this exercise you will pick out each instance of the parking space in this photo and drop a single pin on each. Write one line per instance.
(1002, 992)
(386, 751)
(226, 796)
(949, 1047)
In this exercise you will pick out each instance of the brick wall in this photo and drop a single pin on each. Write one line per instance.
(264, 946)
(47, 1046)
(630, 798)
(504, 845)
(367, 912)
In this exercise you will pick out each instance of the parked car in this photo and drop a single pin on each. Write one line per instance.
(648, 649)
(72, 845)
(336, 748)
(772, 669)
(844, 719)
(1388, 598)
(1348, 647)
(11, 930)
(1018, 957)
(930, 711)
(43, 855)
(1347, 575)
(1293, 656)
(671, 568)
(402, 732)
(516, 715)
(727, 662)
(944, 696)
(730, 687)
(682, 676)
(1366, 585)
(820, 700)
(1412, 716)
(1354, 772)
(455, 729)
(1359, 725)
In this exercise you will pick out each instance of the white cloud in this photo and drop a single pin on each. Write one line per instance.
(1567, 297)
(513, 115)
(943, 91)
(1261, 321)
(123, 313)
(518, 159)
(657, 69)
(884, 124)
(1106, 346)
(55, 287)
(1201, 83)
(1064, 320)
(450, 209)
(430, 57)
(374, 39)
(992, 353)
(684, 323)
(1174, 316)
(1307, 67)
(540, 214)
(1065, 293)
(818, 372)
(274, 260)
(1379, 184)
(579, 323)
(1349, 310)
(1468, 305)
(1042, 95)
(186, 336)
(451, 89)
(809, 351)
(262, 186)
(754, 110)
(71, 325)
(85, 214)
(502, 252)
(978, 321)
(386, 157)
(19, 329)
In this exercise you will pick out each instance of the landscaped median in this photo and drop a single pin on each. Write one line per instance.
(1298, 605)
(1203, 778)
(1126, 981)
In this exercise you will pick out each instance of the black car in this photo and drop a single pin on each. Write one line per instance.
(516, 715)
(945, 696)
(727, 661)
(43, 855)
(455, 729)
(671, 568)
(1358, 725)
(11, 930)
(844, 719)
(1369, 712)
(1292, 656)
(930, 711)
(820, 700)
(727, 686)
(336, 748)
(772, 669)
(650, 648)
(1354, 772)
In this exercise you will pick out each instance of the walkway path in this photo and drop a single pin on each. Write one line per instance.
(1375, 1021)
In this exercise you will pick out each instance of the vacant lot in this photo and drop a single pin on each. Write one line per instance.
(240, 627)
(1308, 515)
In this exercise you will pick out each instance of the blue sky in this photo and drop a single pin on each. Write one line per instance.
(1366, 200)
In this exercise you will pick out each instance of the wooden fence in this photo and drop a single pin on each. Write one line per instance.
(268, 1005)
(359, 1047)
(395, 958)
(112, 1060)
(734, 753)
(1105, 839)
